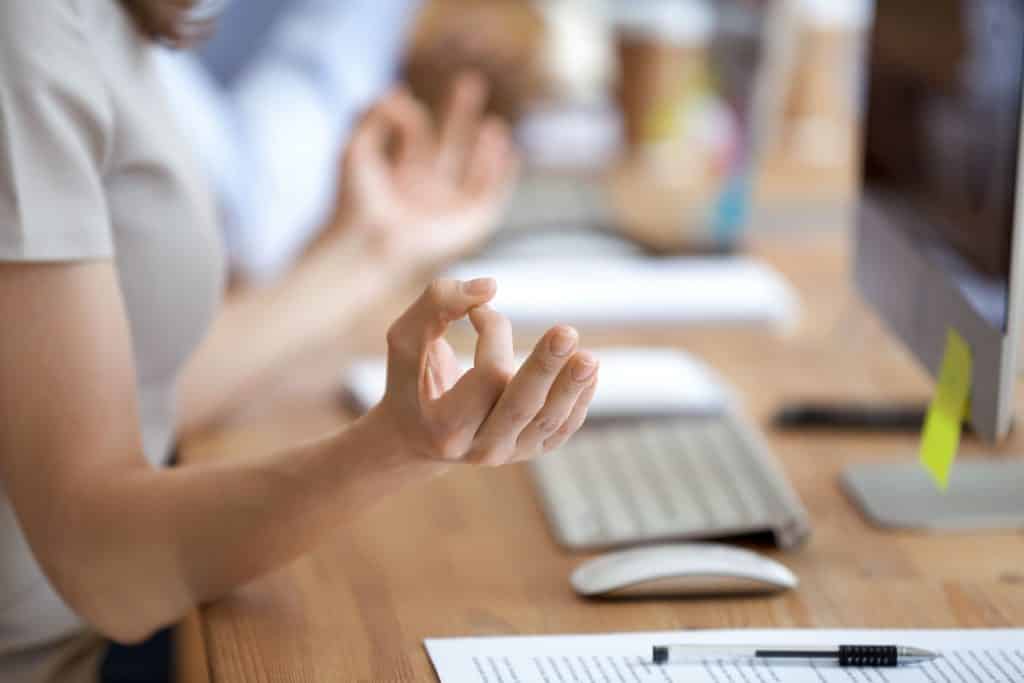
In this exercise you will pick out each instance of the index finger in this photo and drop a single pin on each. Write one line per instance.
(443, 302)
(468, 403)
(409, 121)
(461, 122)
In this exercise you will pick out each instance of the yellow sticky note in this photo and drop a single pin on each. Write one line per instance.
(940, 439)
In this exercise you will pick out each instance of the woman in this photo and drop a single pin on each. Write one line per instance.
(110, 275)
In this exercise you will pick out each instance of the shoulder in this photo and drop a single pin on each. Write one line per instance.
(45, 34)
(54, 97)
(47, 54)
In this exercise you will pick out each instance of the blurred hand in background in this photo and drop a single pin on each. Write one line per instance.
(419, 194)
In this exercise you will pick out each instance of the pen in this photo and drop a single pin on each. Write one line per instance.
(845, 655)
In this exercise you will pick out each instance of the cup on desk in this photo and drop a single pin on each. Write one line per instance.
(680, 135)
(821, 110)
(663, 59)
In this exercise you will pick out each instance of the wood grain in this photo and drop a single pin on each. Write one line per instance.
(471, 554)
(191, 661)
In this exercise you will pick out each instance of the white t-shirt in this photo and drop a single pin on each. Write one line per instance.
(92, 168)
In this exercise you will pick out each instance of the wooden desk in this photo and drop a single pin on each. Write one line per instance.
(471, 554)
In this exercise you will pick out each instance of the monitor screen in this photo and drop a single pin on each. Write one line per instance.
(943, 126)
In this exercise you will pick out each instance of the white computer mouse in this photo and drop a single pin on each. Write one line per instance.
(680, 569)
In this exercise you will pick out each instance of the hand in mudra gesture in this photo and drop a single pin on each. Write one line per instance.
(422, 193)
(491, 414)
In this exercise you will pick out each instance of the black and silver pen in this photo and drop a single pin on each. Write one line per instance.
(844, 655)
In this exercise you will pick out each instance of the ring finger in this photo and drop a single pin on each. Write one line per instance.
(575, 421)
(575, 377)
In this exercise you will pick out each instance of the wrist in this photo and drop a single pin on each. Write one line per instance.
(389, 245)
(361, 465)
(379, 431)
(372, 246)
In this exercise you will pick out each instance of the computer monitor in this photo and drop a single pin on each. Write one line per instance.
(939, 241)
(938, 237)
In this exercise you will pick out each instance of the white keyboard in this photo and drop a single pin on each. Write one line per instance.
(678, 478)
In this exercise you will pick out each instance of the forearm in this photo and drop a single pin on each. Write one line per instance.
(259, 330)
(163, 541)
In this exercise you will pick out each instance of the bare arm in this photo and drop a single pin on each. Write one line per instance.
(114, 535)
(259, 330)
(131, 548)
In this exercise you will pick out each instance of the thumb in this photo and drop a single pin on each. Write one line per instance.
(443, 302)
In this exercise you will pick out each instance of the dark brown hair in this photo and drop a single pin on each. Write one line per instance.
(171, 22)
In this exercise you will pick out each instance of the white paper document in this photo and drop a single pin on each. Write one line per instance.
(975, 656)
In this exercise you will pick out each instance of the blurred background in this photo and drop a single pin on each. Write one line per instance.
(684, 124)
(665, 144)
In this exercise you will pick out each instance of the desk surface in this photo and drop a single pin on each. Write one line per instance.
(470, 554)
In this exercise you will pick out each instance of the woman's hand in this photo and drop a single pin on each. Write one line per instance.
(491, 414)
(423, 196)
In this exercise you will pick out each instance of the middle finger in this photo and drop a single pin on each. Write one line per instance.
(526, 392)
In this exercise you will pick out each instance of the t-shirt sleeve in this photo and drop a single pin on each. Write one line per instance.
(55, 126)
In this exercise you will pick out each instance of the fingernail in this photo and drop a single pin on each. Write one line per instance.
(583, 369)
(563, 342)
(478, 287)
